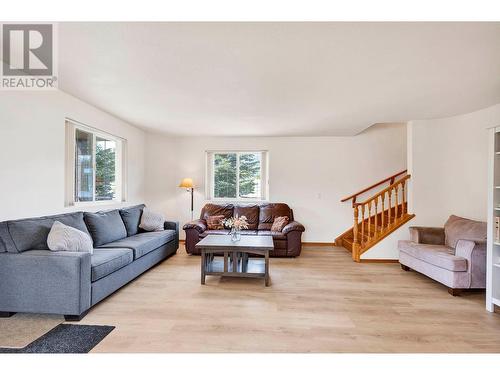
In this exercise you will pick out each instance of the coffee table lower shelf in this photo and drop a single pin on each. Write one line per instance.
(244, 266)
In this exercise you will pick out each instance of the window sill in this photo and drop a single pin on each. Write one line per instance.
(97, 203)
(236, 200)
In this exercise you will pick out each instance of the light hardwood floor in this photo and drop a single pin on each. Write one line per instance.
(319, 302)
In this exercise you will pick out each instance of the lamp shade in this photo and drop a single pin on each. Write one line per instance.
(186, 183)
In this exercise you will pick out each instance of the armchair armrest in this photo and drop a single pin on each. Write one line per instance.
(475, 254)
(293, 226)
(199, 225)
(427, 235)
(43, 281)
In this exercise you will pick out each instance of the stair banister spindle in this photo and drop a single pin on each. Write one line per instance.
(369, 220)
(376, 216)
(355, 227)
(396, 204)
(389, 193)
(362, 223)
(383, 211)
(403, 197)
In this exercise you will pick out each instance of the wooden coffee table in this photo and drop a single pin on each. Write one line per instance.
(222, 257)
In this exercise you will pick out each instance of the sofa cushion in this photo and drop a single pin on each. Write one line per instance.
(5, 239)
(143, 243)
(268, 212)
(251, 212)
(459, 228)
(105, 226)
(31, 234)
(211, 209)
(131, 217)
(106, 261)
(437, 255)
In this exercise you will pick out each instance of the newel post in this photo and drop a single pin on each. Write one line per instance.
(355, 243)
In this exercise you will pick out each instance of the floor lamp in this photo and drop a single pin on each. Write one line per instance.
(187, 183)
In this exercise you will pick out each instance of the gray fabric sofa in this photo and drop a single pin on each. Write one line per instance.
(454, 255)
(34, 279)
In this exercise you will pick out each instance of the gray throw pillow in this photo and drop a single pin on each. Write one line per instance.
(152, 221)
(65, 238)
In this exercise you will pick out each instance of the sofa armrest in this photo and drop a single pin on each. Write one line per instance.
(43, 281)
(173, 225)
(475, 254)
(199, 225)
(427, 235)
(293, 226)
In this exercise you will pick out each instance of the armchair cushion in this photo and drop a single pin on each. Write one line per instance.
(427, 235)
(459, 228)
(200, 225)
(293, 226)
(437, 255)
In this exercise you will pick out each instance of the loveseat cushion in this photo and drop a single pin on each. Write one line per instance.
(105, 226)
(437, 255)
(214, 231)
(31, 234)
(268, 212)
(251, 212)
(106, 261)
(459, 228)
(131, 217)
(276, 235)
(211, 209)
(143, 243)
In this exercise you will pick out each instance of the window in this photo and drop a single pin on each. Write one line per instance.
(237, 175)
(94, 165)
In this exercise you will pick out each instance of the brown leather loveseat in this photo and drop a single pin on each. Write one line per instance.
(287, 243)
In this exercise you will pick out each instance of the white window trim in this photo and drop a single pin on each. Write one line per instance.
(209, 176)
(121, 172)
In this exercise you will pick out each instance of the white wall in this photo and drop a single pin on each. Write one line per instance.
(32, 151)
(311, 174)
(448, 162)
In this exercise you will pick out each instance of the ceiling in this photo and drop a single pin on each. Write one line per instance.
(279, 79)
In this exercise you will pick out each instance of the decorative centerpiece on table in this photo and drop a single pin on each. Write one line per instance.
(236, 224)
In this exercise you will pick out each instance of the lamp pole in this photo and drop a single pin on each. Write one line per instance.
(192, 204)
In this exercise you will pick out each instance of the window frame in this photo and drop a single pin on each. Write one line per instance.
(210, 175)
(71, 126)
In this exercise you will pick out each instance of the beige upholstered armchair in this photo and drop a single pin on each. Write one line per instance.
(454, 255)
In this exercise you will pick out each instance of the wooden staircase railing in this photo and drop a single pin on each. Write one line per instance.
(376, 217)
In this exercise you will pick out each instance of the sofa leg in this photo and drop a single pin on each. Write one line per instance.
(75, 318)
(6, 314)
(455, 292)
(405, 268)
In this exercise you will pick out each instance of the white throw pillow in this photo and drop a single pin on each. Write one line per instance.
(152, 221)
(65, 238)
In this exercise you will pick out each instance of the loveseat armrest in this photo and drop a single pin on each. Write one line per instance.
(475, 254)
(199, 224)
(427, 235)
(44, 281)
(293, 226)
